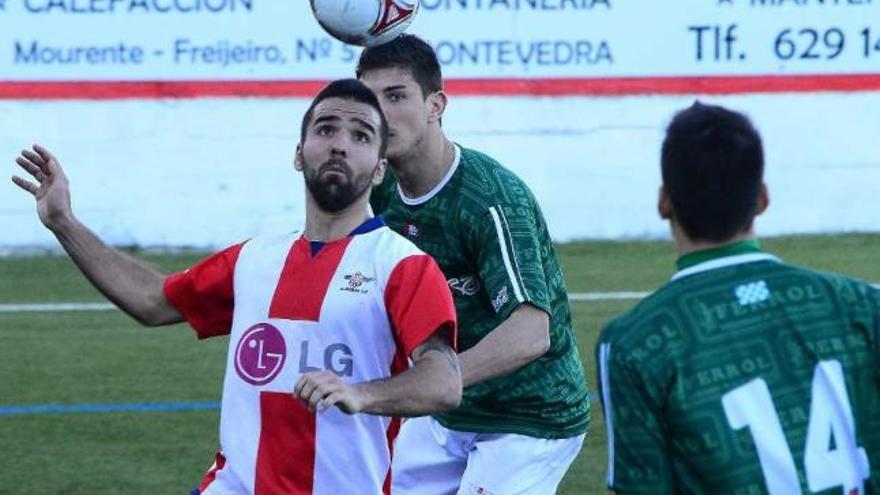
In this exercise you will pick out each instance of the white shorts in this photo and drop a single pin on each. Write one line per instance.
(430, 459)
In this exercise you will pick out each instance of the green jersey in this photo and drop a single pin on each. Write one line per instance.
(487, 233)
(744, 375)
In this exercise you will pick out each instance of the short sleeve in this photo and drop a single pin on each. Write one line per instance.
(418, 302)
(637, 448)
(204, 294)
(507, 244)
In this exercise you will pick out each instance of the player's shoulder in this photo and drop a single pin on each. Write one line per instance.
(846, 289)
(387, 247)
(270, 241)
(641, 321)
(480, 166)
(488, 181)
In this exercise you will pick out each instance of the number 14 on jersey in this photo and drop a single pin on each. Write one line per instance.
(831, 456)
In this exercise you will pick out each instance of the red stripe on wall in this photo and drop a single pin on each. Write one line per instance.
(618, 86)
(286, 455)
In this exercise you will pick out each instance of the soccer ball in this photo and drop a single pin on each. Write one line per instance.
(365, 22)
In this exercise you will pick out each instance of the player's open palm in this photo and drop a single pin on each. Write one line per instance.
(51, 188)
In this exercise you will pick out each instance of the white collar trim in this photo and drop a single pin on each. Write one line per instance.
(724, 262)
(433, 192)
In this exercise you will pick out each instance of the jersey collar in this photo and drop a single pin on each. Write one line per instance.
(433, 192)
(368, 226)
(720, 257)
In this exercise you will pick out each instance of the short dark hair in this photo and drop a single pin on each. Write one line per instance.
(348, 89)
(713, 169)
(407, 52)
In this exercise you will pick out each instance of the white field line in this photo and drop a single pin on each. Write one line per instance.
(51, 308)
(606, 296)
(60, 307)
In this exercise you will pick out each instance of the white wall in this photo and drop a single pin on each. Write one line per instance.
(210, 172)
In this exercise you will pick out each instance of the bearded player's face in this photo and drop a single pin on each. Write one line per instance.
(339, 156)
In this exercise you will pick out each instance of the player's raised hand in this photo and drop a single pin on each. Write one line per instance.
(51, 188)
(324, 389)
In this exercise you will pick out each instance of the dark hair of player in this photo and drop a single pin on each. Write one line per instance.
(407, 52)
(713, 166)
(348, 89)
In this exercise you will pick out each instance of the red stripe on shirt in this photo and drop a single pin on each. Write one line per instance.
(418, 302)
(211, 475)
(204, 294)
(399, 364)
(305, 280)
(391, 435)
(286, 453)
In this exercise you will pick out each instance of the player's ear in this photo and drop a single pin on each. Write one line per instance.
(379, 171)
(664, 204)
(297, 158)
(763, 200)
(436, 102)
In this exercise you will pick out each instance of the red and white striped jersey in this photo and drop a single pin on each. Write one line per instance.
(358, 306)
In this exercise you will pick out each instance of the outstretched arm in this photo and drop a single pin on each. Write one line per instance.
(133, 286)
(432, 384)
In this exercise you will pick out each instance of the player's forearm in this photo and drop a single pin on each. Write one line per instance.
(519, 340)
(133, 286)
(431, 386)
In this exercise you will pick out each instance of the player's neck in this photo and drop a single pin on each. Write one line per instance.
(687, 246)
(424, 168)
(328, 227)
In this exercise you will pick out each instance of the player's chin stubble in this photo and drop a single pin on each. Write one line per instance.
(333, 192)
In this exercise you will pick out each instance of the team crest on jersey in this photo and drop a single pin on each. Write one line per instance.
(411, 230)
(356, 283)
(260, 354)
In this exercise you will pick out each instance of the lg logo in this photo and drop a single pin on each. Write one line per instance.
(261, 353)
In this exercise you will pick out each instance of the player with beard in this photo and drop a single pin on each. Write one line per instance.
(321, 324)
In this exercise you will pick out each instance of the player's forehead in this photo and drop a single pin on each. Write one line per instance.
(337, 109)
(379, 80)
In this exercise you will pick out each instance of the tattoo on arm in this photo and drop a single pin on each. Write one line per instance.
(438, 343)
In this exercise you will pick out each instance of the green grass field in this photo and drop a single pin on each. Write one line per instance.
(104, 357)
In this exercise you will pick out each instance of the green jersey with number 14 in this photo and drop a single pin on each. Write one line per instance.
(744, 375)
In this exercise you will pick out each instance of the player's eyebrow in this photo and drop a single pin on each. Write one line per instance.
(335, 118)
(396, 87)
(326, 118)
(370, 127)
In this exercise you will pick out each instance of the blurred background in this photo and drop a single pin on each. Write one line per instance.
(159, 107)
